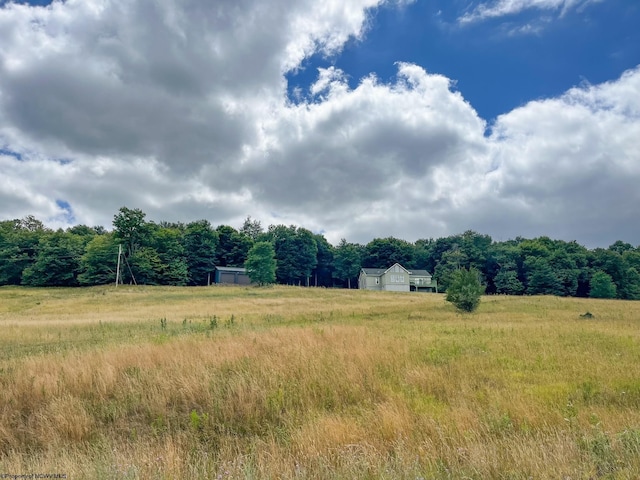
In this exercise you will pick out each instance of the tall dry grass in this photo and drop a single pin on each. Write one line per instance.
(311, 383)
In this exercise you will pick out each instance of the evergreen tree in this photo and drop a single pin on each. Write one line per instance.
(541, 278)
(465, 289)
(507, 282)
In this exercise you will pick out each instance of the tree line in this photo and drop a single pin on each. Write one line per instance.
(186, 254)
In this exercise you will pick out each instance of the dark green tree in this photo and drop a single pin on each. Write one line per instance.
(168, 244)
(621, 247)
(602, 286)
(145, 267)
(58, 261)
(131, 229)
(200, 243)
(503, 258)
(99, 261)
(261, 263)
(541, 278)
(630, 289)
(580, 264)
(19, 244)
(233, 247)
(507, 282)
(423, 258)
(348, 261)
(451, 261)
(322, 273)
(83, 231)
(632, 259)
(475, 248)
(385, 252)
(566, 270)
(296, 253)
(540, 247)
(613, 263)
(465, 289)
(252, 229)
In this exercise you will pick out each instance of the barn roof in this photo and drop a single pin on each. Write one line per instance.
(232, 269)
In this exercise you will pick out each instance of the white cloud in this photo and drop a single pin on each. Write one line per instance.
(180, 109)
(570, 164)
(501, 8)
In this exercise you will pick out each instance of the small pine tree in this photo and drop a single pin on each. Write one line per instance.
(261, 263)
(465, 289)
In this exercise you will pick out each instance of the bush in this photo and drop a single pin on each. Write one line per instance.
(465, 289)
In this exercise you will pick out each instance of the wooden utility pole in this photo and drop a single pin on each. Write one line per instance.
(118, 267)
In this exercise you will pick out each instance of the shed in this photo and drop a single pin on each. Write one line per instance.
(232, 275)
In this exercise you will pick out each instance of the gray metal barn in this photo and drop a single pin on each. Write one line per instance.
(232, 275)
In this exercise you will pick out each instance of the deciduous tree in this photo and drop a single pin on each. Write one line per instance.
(602, 286)
(57, 263)
(233, 247)
(131, 229)
(261, 263)
(200, 244)
(99, 261)
(348, 261)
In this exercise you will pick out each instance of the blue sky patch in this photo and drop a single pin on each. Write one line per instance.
(498, 64)
(67, 215)
(11, 153)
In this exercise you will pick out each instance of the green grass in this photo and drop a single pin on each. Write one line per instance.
(284, 382)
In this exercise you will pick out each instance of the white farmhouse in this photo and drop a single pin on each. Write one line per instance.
(396, 279)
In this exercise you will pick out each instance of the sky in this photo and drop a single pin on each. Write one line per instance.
(357, 119)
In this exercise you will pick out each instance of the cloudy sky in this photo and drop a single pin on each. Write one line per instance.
(353, 118)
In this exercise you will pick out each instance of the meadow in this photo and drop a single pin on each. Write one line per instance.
(286, 382)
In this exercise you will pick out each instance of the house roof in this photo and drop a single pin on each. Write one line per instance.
(397, 264)
(232, 269)
(378, 272)
(419, 273)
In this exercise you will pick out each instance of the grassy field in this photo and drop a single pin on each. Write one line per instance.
(285, 382)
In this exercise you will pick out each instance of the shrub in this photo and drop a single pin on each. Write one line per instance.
(465, 289)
